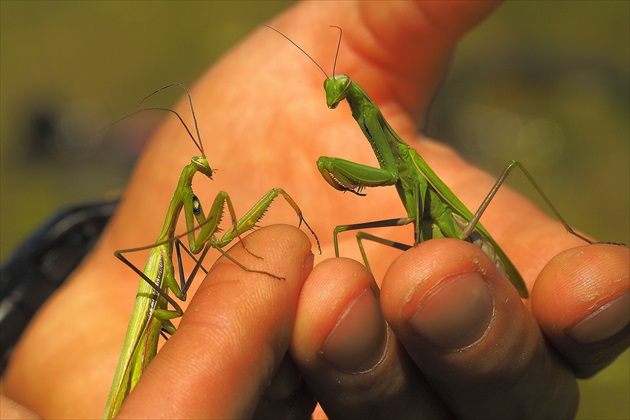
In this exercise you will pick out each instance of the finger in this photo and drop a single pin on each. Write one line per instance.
(582, 303)
(10, 409)
(466, 328)
(287, 396)
(350, 359)
(233, 336)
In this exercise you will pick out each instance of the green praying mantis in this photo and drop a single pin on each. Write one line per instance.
(431, 206)
(151, 315)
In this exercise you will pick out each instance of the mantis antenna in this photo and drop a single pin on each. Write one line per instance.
(338, 46)
(300, 48)
(192, 110)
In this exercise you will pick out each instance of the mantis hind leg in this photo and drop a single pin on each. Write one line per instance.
(165, 315)
(388, 242)
(363, 235)
(185, 285)
(192, 256)
(162, 314)
(470, 227)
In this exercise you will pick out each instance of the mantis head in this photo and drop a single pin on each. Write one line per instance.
(337, 88)
(202, 165)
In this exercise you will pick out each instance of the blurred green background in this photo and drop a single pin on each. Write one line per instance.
(543, 82)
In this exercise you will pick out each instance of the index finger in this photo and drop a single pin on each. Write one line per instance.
(233, 336)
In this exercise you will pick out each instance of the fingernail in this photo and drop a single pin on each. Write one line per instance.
(455, 315)
(357, 341)
(605, 322)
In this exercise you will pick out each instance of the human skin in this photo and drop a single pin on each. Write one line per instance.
(481, 351)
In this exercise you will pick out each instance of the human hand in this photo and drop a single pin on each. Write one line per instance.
(464, 343)
(262, 111)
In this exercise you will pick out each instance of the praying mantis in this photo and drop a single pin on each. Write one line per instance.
(432, 208)
(151, 315)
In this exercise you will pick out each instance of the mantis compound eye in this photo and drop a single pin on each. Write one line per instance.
(196, 205)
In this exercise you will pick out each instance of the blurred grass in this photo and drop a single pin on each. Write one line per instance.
(542, 82)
